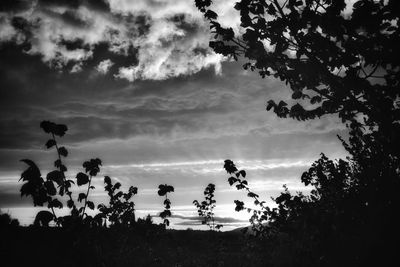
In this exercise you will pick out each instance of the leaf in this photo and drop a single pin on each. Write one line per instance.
(63, 151)
(116, 186)
(55, 176)
(60, 129)
(252, 195)
(70, 203)
(243, 173)
(166, 222)
(229, 166)
(232, 180)
(270, 104)
(57, 163)
(81, 197)
(32, 173)
(167, 203)
(297, 94)
(107, 180)
(55, 203)
(133, 190)
(239, 205)
(163, 189)
(51, 190)
(209, 14)
(43, 218)
(92, 166)
(50, 143)
(51, 127)
(82, 179)
(47, 126)
(90, 205)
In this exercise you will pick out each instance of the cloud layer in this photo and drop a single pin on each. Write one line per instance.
(160, 39)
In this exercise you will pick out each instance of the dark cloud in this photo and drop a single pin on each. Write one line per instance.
(15, 5)
(66, 35)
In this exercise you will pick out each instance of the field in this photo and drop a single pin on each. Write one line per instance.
(29, 246)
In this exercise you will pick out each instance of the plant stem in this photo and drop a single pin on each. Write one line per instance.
(63, 174)
(87, 195)
(55, 216)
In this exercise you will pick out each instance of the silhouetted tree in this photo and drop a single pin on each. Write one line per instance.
(337, 57)
(336, 60)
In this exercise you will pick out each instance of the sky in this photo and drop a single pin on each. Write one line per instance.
(139, 88)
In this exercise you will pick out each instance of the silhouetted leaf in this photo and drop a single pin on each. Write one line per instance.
(166, 222)
(70, 203)
(252, 195)
(229, 166)
(55, 203)
(43, 218)
(81, 197)
(55, 176)
(209, 14)
(82, 179)
(50, 143)
(63, 151)
(32, 173)
(107, 180)
(51, 190)
(239, 205)
(232, 180)
(90, 205)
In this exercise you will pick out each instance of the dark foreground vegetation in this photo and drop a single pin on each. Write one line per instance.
(139, 246)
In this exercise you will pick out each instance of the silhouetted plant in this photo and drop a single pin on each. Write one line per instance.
(45, 191)
(259, 216)
(121, 210)
(7, 221)
(338, 58)
(163, 190)
(205, 209)
(146, 220)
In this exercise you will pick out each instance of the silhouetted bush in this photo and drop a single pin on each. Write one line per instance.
(205, 209)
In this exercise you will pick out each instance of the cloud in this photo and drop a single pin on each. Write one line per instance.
(104, 66)
(162, 39)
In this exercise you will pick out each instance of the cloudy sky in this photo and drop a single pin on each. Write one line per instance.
(138, 87)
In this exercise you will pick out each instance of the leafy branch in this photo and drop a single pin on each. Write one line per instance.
(205, 209)
(163, 190)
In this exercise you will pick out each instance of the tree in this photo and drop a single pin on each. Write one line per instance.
(336, 59)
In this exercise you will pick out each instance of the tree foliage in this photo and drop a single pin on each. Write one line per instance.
(337, 57)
